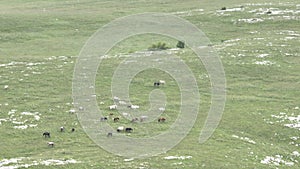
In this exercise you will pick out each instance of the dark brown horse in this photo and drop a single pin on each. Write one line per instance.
(46, 134)
(128, 130)
(161, 119)
(116, 119)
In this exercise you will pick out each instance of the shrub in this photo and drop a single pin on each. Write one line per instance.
(158, 46)
(180, 44)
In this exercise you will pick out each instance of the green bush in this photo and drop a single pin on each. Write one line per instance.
(180, 44)
(158, 46)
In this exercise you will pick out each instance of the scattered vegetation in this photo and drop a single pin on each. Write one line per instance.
(39, 45)
(158, 46)
(180, 44)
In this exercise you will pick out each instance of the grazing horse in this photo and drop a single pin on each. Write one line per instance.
(113, 107)
(143, 118)
(156, 84)
(109, 134)
(161, 119)
(103, 118)
(135, 120)
(51, 144)
(162, 82)
(116, 119)
(73, 129)
(128, 130)
(46, 134)
(121, 128)
(133, 106)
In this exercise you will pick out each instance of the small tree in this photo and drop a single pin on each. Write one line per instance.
(158, 46)
(180, 44)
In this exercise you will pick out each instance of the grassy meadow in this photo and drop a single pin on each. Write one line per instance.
(258, 43)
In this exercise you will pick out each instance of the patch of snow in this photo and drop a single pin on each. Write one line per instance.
(231, 10)
(290, 38)
(294, 138)
(17, 118)
(161, 109)
(265, 62)
(5, 87)
(129, 159)
(12, 111)
(246, 139)
(21, 127)
(258, 4)
(262, 55)
(251, 20)
(15, 163)
(277, 160)
(258, 38)
(122, 102)
(32, 125)
(35, 115)
(232, 40)
(296, 153)
(293, 121)
(58, 162)
(189, 12)
(72, 111)
(177, 157)
(17, 122)
(5, 162)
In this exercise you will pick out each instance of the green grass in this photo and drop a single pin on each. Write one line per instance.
(34, 31)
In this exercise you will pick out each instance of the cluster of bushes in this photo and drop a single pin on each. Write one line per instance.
(163, 46)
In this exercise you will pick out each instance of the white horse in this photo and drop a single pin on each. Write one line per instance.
(113, 107)
(51, 144)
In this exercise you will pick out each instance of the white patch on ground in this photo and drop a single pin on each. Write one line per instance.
(290, 121)
(63, 58)
(5, 162)
(189, 12)
(251, 20)
(35, 115)
(280, 160)
(276, 13)
(258, 38)
(129, 159)
(229, 10)
(14, 163)
(21, 127)
(232, 40)
(58, 162)
(28, 65)
(177, 157)
(264, 62)
(18, 119)
(262, 55)
(276, 160)
(246, 139)
(294, 122)
(258, 4)
(13, 63)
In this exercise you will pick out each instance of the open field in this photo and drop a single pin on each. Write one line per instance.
(258, 43)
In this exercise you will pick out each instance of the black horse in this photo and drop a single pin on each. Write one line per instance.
(46, 134)
(156, 84)
(128, 130)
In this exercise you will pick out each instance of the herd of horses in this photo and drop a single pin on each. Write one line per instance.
(46, 134)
